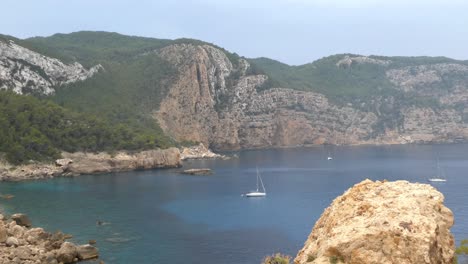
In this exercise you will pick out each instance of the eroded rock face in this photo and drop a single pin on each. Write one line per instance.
(25, 71)
(218, 103)
(383, 222)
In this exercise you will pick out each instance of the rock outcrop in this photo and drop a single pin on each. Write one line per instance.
(199, 152)
(88, 163)
(383, 222)
(19, 244)
(25, 71)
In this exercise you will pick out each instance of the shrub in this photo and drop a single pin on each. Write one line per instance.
(277, 258)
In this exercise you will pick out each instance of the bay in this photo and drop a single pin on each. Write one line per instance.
(162, 216)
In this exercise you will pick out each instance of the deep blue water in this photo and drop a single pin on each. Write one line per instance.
(161, 216)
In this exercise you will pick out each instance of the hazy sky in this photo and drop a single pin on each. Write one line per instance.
(292, 31)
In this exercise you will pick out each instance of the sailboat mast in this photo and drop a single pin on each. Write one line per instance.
(263, 187)
(257, 179)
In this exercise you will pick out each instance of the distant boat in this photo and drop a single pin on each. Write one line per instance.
(257, 193)
(329, 158)
(440, 174)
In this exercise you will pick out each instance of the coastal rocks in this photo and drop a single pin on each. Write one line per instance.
(383, 222)
(86, 163)
(25, 71)
(11, 241)
(32, 171)
(21, 219)
(67, 253)
(198, 152)
(3, 233)
(19, 244)
(87, 252)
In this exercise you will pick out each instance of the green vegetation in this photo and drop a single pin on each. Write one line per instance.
(324, 76)
(462, 252)
(311, 258)
(110, 111)
(276, 259)
(133, 81)
(113, 109)
(335, 260)
(35, 129)
(355, 84)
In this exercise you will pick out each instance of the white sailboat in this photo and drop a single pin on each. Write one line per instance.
(440, 174)
(257, 193)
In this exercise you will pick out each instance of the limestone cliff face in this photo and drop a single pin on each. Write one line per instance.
(25, 71)
(383, 222)
(219, 104)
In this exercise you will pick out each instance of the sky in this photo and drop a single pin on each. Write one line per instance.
(291, 31)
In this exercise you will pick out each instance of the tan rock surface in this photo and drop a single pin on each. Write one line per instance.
(88, 163)
(383, 222)
(20, 244)
(198, 152)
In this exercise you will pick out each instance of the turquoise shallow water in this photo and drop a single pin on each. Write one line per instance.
(161, 216)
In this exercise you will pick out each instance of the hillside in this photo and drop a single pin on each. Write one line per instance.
(34, 129)
(194, 91)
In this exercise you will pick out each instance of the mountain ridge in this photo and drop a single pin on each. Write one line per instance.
(196, 91)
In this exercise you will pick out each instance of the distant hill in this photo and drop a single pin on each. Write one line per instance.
(190, 90)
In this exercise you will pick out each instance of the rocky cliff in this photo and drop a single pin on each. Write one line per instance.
(25, 71)
(383, 222)
(220, 104)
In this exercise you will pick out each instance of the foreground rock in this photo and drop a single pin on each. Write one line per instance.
(19, 244)
(87, 163)
(383, 222)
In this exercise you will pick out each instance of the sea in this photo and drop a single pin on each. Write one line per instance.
(163, 216)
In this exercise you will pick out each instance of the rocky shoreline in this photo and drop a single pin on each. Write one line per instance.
(74, 164)
(20, 243)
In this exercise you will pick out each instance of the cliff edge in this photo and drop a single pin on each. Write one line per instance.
(382, 222)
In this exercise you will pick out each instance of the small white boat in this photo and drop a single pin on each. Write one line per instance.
(440, 174)
(437, 180)
(257, 193)
(329, 158)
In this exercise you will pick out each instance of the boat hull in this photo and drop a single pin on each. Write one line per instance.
(437, 180)
(255, 194)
